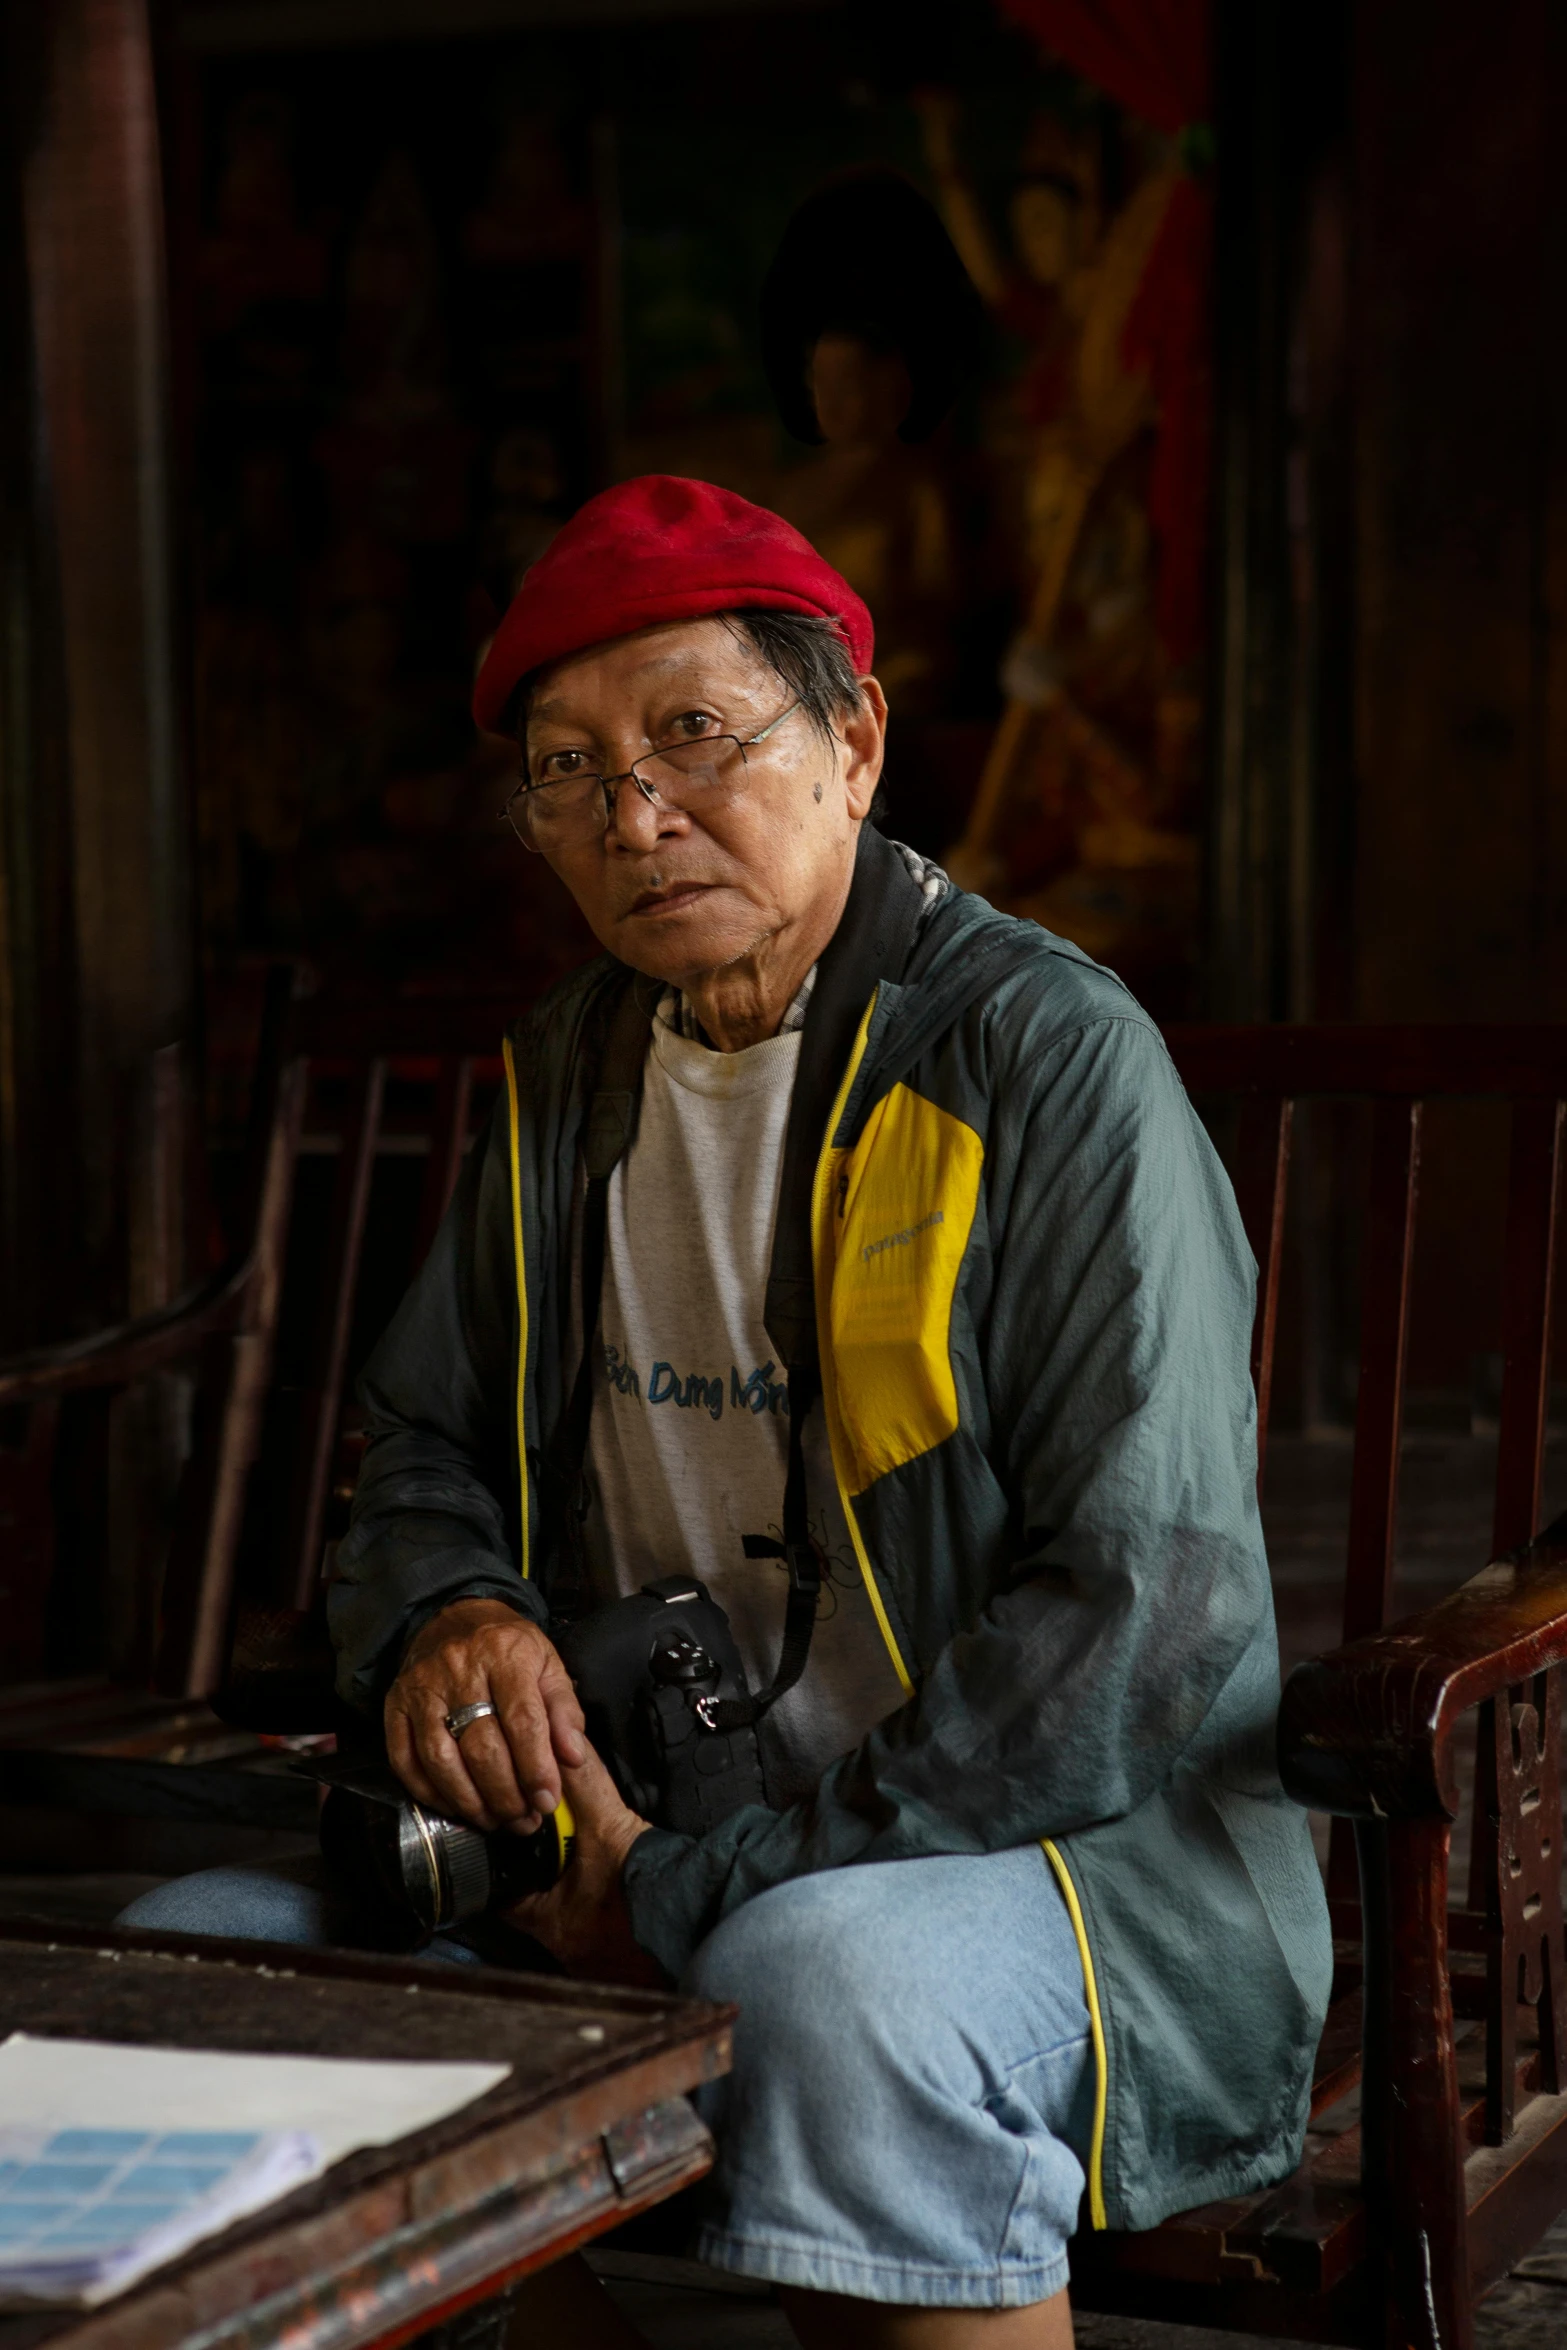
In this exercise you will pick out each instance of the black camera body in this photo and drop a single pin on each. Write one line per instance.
(650, 1672)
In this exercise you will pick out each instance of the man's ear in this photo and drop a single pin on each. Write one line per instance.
(865, 739)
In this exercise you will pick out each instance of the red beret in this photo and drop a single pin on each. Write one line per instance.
(656, 549)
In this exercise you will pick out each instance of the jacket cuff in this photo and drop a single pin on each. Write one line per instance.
(516, 1595)
(372, 1622)
(668, 1901)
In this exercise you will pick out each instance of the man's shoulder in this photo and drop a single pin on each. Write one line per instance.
(553, 1022)
(1047, 991)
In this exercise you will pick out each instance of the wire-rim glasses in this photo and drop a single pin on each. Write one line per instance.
(566, 811)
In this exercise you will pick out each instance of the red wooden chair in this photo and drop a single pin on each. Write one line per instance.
(364, 1082)
(1438, 2152)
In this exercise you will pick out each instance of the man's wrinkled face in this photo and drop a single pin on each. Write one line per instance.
(680, 891)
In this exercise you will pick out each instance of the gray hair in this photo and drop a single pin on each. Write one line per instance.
(808, 655)
(804, 650)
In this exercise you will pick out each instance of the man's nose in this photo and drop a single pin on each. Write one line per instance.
(637, 822)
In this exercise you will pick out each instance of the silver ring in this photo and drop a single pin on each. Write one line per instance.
(466, 1715)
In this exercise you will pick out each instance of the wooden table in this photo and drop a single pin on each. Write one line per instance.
(590, 2126)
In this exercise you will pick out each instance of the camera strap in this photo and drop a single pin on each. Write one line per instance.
(872, 944)
(805, 1571)
(606, 1135)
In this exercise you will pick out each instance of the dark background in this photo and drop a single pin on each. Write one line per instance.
(242, 602)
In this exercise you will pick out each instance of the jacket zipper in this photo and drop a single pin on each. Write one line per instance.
(1096, 2026)
(826, 1196)
(822, 1196)
(522, 1304)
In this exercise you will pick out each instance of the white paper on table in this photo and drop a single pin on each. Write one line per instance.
(342, 2101)
(338, 2103)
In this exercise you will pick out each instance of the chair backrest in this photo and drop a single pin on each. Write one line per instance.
(364, 1081)
(378, 1081)
(360, 1083)
(1398, 1070)
(341, 1058)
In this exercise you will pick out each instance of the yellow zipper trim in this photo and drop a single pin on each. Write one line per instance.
(821, 1230)
(522, 1297)
(821, 1240)
(1096, 2152)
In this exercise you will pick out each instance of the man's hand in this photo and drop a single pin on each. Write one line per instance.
(506, 1772)
(583, 1918)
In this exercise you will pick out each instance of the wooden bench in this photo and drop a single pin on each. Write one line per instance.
(1438, 2150)
(364, 1085)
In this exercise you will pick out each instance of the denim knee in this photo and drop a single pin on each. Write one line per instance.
(794, 1963)
(911, 2097)
(291, 1902)
(286, 1901)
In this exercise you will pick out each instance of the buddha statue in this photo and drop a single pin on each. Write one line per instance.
(879, 511)
(1082, 818)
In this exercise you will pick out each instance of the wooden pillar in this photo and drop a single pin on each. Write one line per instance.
(98, 778)
(38, 1126)
(1462, 512)
(1282, 556)
(1248, 824)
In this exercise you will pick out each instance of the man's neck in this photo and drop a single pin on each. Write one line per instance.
(744, 1002)
(741, 1006)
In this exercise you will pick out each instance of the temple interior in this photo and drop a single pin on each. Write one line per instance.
(1182, 384)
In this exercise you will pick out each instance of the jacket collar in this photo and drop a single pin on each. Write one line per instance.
(873, 942)
(873, 945)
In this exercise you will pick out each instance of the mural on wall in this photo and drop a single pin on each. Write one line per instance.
(1085, 816)
(441, 296)
(870, 329)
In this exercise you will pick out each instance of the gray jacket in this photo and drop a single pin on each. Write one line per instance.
(1033, 1304)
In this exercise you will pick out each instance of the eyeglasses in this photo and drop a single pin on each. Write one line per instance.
(564, 812)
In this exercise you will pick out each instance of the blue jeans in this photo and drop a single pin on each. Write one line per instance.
(909, 2114)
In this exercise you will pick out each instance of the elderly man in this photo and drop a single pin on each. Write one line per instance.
(831, 1205)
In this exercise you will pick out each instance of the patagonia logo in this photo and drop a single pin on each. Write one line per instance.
(874, 1248)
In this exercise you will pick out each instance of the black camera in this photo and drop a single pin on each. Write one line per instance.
(660, 1683)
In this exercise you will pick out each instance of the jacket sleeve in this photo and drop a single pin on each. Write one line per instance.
(435, 1513)
(1115, 1353)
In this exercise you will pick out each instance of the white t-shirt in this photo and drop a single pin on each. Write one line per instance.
(688, 1444)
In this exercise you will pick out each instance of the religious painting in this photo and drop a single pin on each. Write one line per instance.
(441, 294)
(1086, 813)
(1028, 566)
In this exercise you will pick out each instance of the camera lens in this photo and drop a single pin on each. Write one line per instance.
(413, 1874)
(464, 1858)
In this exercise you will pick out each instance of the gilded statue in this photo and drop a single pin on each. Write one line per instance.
(879, 511)
(1094, 751)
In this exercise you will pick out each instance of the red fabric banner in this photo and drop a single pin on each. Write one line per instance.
(1150, 55)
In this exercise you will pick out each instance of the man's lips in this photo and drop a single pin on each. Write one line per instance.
(673, 900)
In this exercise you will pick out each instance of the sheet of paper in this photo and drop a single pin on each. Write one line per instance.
(301, 2114)
(343, 2102)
